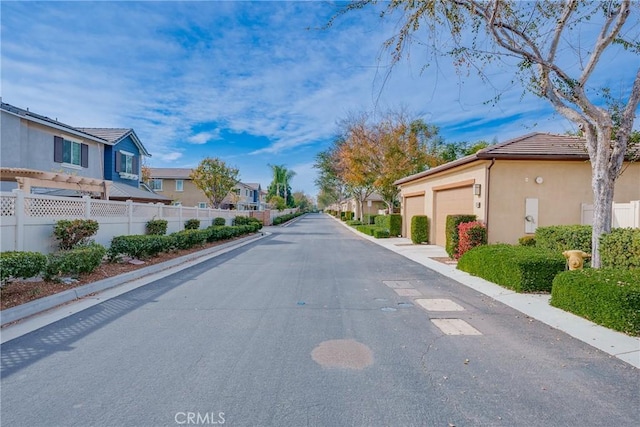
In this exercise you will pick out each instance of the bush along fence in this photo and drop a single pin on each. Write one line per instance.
(26, 219)
(86, 256)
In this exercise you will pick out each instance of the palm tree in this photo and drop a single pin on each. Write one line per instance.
(280, 185)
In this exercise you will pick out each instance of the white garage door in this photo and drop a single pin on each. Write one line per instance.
(455, 201)
(412, 206)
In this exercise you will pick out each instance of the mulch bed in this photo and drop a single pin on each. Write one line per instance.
(22, 291)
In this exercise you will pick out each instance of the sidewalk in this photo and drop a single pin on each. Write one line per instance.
(617, 344)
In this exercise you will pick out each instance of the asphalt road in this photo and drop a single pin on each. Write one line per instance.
(308, 327)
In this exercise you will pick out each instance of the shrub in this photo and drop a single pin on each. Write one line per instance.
(140, 246)
(74, 261)
(192, 224)
(620, 248)
(380, 233)
(470, 235)
(20, 264)
(157, 227)
(354, 222)
(560, 238)
(419, 229)
(219, 221)
(521, 268)
(392, 222)
(367, 229)
(187, 239)
(451, 230)
(71, 233)
(348, 216)
(343, 216)
(369, 219)
(284, 218)
(246, 220)
(608, 297)
(527, 241)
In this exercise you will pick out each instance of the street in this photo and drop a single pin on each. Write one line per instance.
(311, 326)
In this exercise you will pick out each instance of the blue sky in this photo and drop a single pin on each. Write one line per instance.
(254, 83)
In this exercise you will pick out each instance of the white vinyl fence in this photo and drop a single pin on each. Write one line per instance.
(27, 220)
(624, 215)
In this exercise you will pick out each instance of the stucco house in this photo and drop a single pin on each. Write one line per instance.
(40, 154)
(535, 180)
(372, 205)
(176, 184)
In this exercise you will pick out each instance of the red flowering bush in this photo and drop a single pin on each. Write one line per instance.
(470, 235)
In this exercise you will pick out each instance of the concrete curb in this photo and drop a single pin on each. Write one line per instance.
(47, 303)
(614, 343)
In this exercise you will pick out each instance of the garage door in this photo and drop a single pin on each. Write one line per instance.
(455, 201)
(412, 206)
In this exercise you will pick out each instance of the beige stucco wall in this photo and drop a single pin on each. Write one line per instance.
(473, 172)
(565, 186)
(189, 197)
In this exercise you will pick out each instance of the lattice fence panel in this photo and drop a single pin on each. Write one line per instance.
(41, 207)
(145, 211)
(8, 206)
(108, 209)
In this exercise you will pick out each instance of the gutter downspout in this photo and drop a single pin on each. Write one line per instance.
(486, 203)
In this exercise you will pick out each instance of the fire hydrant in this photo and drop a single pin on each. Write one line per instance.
(575, 259)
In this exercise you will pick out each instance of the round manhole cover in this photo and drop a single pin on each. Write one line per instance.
(349, 354)
(388, 309)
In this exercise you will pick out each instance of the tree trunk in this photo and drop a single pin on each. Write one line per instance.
(603, 179)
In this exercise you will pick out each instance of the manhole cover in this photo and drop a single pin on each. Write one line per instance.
(388, 309)
(405, 304)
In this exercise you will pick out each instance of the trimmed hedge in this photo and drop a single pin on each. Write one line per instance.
(192, 224)
(527, 241)
(21, 264)
(187, 239)
(354, 222)
(451, 230)
(284, 218)
(369, 219)
(348, 216)
(367, 229)
(139, 245)
(219, 221)
(392, 222)
(71, 233)
(419, 229)
(608, 297)
(157, 227)
(521, 268)
(470, 235)
(380, 233)
(246, 220)
(74, 261)
(560, 238)
(620, 248)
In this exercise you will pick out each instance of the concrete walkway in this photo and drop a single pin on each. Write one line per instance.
(536, 306)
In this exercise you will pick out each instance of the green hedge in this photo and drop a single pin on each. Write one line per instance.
(369, 219)
(219, 221)
(192, 224)
(420, 229)
(367, 229)
(187, 239)
(521, 268)
(608, 297)
(284, 218)
(140, 245)
(560, 238)
(20, 264)
(74, 261)
(348, 216)
(451, 230)
(157, 227)
(246, 220)
(354, 222)
(380, 233)
(71, 233)
(620, 248)
(527, 241)
(392, 222)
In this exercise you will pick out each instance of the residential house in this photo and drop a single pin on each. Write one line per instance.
(176, 184)
(372, 205)
(40, 154)
(535, 180)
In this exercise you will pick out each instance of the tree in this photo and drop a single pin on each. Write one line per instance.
(281, 184)
(332, 188)
(278, 202)
(215, 179)
(301, 201)
(553, 48)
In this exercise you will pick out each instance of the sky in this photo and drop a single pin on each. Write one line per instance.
(253, 83)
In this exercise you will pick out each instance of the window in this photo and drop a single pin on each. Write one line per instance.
(179, 185)
(177, 203)
(202, 205)
(237, 191)
(127, 165)
(70, 152)
(156, 184)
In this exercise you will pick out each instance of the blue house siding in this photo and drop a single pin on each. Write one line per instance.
(109, 165)
(129, 146)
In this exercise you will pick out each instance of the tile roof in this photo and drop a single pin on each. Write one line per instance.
(124, 191)
(115, 135)
(170, 173)
(534, 146)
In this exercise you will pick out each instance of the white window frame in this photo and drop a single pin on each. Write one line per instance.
(202, 205)
(126, 163)
(152, 183)
(70, 163)
(179, 188)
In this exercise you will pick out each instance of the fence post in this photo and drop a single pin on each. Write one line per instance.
(130, 215)
(180, 224)
(635, 205)
(87, 207)
(20, 214)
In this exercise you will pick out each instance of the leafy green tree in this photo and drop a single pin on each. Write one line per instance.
(278, 202)
(553, 49)
(281, 184)
(215, 179)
